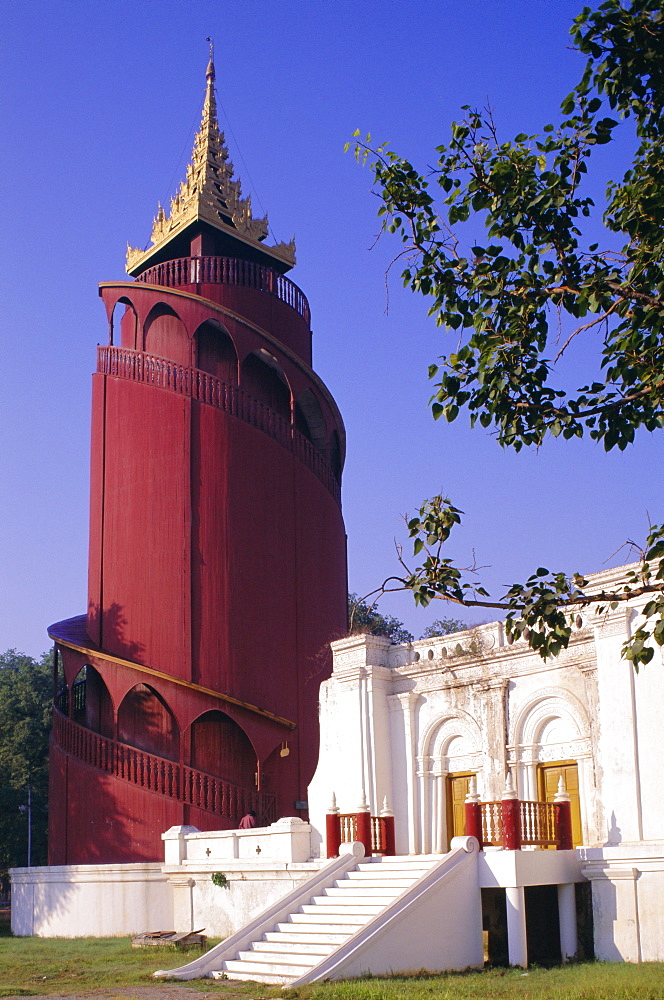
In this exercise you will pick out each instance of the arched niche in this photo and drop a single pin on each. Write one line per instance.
(263, 378)
(215, 352)
(93, 705)
(124, 327)
(145, 721)
(309, 419)
(336, 461)
(219, 746)
(166, 335)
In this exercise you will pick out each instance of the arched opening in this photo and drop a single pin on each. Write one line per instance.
(145, 721)
(92, 705)
(128, 326)
(263, 378)
(166, 336)
(551, 736)
(451, 754)
(215, 352)
(335, 455)
(220, 747)
(309, 419)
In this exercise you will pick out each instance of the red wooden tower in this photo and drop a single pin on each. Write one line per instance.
(217, 570)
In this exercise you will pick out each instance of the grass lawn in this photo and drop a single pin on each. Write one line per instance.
(36, 966)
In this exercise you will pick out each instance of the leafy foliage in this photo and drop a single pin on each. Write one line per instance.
(444, 626)
(507, 297)
(26, 693)
(363, 618)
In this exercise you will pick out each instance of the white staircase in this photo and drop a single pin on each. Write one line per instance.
(318, 928)
(357, 915)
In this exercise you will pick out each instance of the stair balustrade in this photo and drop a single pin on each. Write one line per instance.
(376, 833)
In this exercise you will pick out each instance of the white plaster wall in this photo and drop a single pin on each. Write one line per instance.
(249, 891)
(90, 900)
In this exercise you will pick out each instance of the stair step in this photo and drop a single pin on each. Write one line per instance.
(253, 977)
(257, 970)
(383, 878)
(363, 909)
(276, 958)
(352, 892)
(322, 926)
(293, 947)
(311, 932)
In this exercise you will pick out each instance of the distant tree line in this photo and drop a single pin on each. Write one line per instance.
(26, 699)
(363, 618)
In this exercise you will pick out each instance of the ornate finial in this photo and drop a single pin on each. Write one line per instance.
(510, 791)
(209, 72)
(209, 192)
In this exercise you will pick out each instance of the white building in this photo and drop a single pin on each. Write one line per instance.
(412, 723)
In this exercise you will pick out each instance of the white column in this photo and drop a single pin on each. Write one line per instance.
(517, 941)
(425, 779)
(440, 842)
(567, 919)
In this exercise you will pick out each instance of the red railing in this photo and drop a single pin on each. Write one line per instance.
(164, 374)
(512, 823)
(164, 777)
(227, 271)
(375, 832)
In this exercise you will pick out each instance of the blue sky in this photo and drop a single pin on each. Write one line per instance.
(100, 104)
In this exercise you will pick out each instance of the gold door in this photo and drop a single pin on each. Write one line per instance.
(457, 789)
(548, 777)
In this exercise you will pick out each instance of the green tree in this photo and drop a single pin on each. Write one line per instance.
(363, 618)
(26, 692)
(505, 298)
(446, 626)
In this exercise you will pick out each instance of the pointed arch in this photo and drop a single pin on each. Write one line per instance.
(263, 377)
(93, 704)
(219, 746)
(336, 456)
(309, 419)
(215, 351)
(127, 329)
(145, 721)
(165, 335)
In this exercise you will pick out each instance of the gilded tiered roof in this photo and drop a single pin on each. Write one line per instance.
(209, 193)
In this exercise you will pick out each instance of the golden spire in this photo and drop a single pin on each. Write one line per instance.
(210, 194)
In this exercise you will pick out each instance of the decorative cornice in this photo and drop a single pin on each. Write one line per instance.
(209, 193)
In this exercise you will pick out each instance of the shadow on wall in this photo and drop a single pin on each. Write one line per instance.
(108, 629)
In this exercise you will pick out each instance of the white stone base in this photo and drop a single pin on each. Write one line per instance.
(628, 889)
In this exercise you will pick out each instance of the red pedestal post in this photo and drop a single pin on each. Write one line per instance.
(333, 833)
(563, 818)
(388, 832)
(511, 824)
(474, 821)
(364, 831)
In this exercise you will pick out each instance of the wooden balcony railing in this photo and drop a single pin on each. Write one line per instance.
(512, 823)
(164, 374)
(161, 776)
(375, 832)
(227, 271)
(78, 691)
